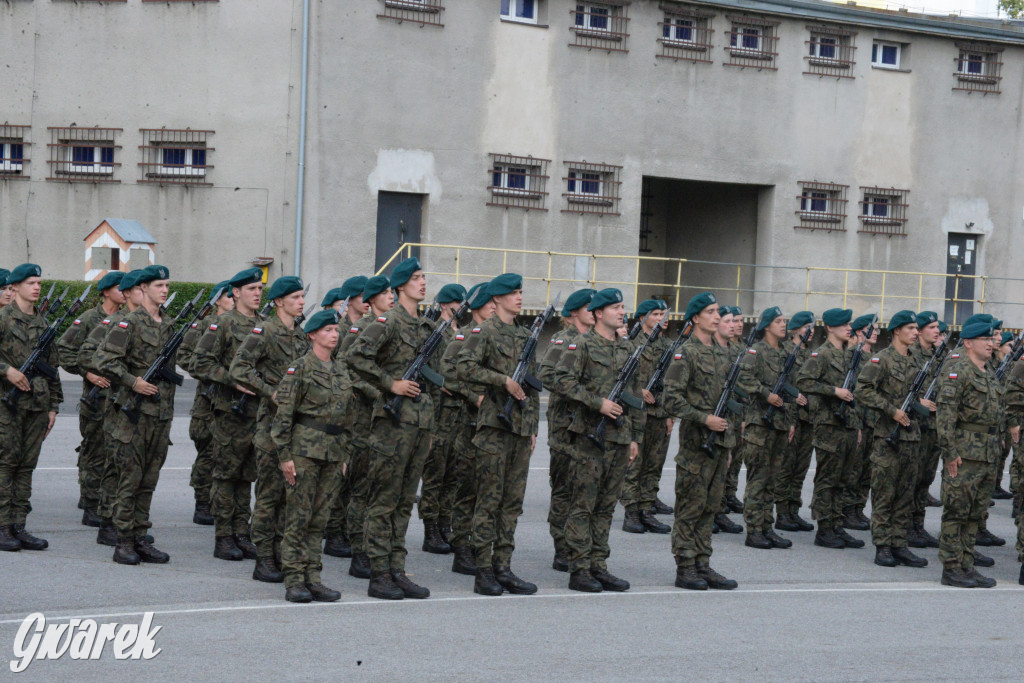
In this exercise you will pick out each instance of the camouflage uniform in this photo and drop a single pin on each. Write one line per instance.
(201, 416)
(234, 458)
(307, 428)
(258, 365)
(22, 430)
(438, 494)
(857, 475)
(882, 386)
(790, 484)
(87, 363)
(489, 356)
(835, 443)
(585, 375)
(732, 474)
(380, 355)
(928, 454)
(693, 385)
(1014, 397)
(970, 421)
(128, 350)
(91, 452)
(643, 475)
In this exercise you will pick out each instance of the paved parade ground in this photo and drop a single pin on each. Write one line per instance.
(803, 614)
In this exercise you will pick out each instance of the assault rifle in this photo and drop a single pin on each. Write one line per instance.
(44, 303)
(782, 386)
(521, 375)
(35, 365)
(843, 411)
(910, 403)
(725, 401)
(656, 384)
(933, 386)
(1011, 357)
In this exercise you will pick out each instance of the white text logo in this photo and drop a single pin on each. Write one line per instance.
(82, 639)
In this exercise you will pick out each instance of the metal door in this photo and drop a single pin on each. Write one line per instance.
(961, 259)
(399, 215)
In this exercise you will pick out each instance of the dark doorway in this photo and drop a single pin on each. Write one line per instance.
(961, 259)
(399, 218)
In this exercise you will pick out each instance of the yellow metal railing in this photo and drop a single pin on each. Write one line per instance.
(677, 279)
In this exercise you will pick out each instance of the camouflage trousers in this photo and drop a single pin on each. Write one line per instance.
(1016, 469)
(350, 516)
(396, 462)
(202, 468)
(21, 439)
(438, 492)
(965, 498)
(857, 475)
(997, 473)
(337, 518)
(894, 472)
(502, 466)
(108, 481)
(141, 452)
(464, 466)
(700, 480)
(307, 506)
(1020, 525)
(234, 470)
(269, 507)
(732, 479)
(597, 477)
(790, 484)
(560, 447)
(643, 476)
(92, 453)
(764, 451)
(928, 456)
(834, 449)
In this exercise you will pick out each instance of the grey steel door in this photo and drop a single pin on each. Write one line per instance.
(961, 260)
(399, 216)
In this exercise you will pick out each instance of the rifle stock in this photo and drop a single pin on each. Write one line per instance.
(730, 386)
(521, 375)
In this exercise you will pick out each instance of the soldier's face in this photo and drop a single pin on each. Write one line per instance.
(114, 295)
(980, 348)
(416, 287)
(511, 302)
(357, 304)
(584, 317)
(612, 317)
(907, 334)
(777, 328)
(842, 332)
(28, 289)
(6, 295)
(929, 334)
(155, 291)
(655, 318)
(486, 311)
(248, 296)
(326, 337)
(383, 302)
(134, 296)
(707, 320)
(292, 304)
(224, 304)
(726, 326)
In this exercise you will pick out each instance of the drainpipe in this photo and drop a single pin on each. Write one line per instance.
(302, 136)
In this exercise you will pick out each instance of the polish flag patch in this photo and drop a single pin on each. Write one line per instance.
(814, 354)
(460, 337)
(77, 322)
(476, 330)
(679, 356)
(257, 330)
(571, 347)
(123, 324)
(874, 360)
(952, 375)
(213, 327)
(195, 325)
(353, 330)
(291, 371)
(105, 322)
(382, 319)
(752, 352)
(955, 355)
(558, 341)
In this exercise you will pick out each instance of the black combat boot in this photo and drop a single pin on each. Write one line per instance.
(486, 584)
(848, 540)
(322, 593)
(1001, 494)
(8, 542)
(267, 572)
(714, 579)
(512, 583)
(914, 539)
(826, 538)
(1020, 580)
(408, 588)
(883, 556)
(245, 544)
(360, 566)
(863, 519)
(125, 553)
(784, 522)
(982, 580)
(987, 538)
(926, 538)
(726, 525)
(28, 541)
(661, 508)
(81, 502)
(338, 545)
(610, 582)
(776, 540)
(446, 532)
(298, 593)
(958, 577)
(432, 541)
(383, 586)
(224, 548)
(755, 539)
(651, 523)
(463, 562)
(687, 577)
(147, 553)
(931, 501)
(852, 521)
(560, 563)
(982, 560)
(734, 503)
(107, 535)
(202, 514)
(905, 557)
(801, 523)
(90, 518)
(632, 524)
(582, 580)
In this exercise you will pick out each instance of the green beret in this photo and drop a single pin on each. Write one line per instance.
(404, 270)
(111, 279)
(979, 318)
(225, 286)
(478, 296)
(374, 286)
(3, 276)
(451, 292)
(978, 328)
(320, 319)
(724, 310)
(646, 307)
(605, 297)
(150, 273)
(927, 318)
(246, 277)
(130, 279)
(767, 316)
(836, 317)
(799, 319)
(943, 327)
(997, 324)
(23, 272)
(506, 283)
(736, 310)
(862, 322)
(901, 318)
(336, 294)
(284, 285)
(698, 304)
(350, 288)
(1006, 338)
(577, 300)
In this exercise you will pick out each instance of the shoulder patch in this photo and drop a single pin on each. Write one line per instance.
(195, 325)
(476, 330)
(353, 330)
(291, 371)
(678, 356)
(752, 351)
(571, 346)
(77, 322)
(381, 319)
(952, 375)
(257, 330)
(123, 324)
(875, 359)
(954, 355)
(213, 327)
(558, 341)
(105, 321)
(814, 354)
(460, 337)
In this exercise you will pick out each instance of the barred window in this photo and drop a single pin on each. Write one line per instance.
(518, 181)
(830, 51)
(591, 188)
(522, 11)
(883, 211)
(178, 157)
(14, 152)
(978, 67)
(599, 25)
(685, 34)
(752, 42)
(423, 12)
(84, 154)
(822, 206)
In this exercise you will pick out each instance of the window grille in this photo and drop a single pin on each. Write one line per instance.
(599, 25)
(883, 211)
(591, 188)
(84, 154)
(14, 152)
(752, 42)
(685, 34)
(830, 52)
(821, 206)
(423, 12)
(177, 157)
(978, 67)
(518, 181)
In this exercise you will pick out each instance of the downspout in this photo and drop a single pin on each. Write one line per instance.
(302, 136)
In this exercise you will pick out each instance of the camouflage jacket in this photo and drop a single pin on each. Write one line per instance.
(920, 356)
(586, 374)
(883, 384)
(19, 333)
(364, 389)
(1014, 395)
(489, 355)
(312, 398)
(648, 360)
(797, 412)
(761, 367)
(447, 405)
(693, 385)
(382, 354)
(70, 344)
(971, 419)
(130, 347)
(559, 411)
(86, 360)
(213, 355)
(818, 379)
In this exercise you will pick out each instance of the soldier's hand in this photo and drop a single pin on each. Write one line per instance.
(902, 418)
(143, 387)
(1015, 434)
(533, 442)
(716, 424)
(405, 387)
(479, 401)
(18, 379)
(860, 435)
(239, 387)
(514, 390)
(445, 391)
(776, 400)
(273, 397)
(101, 382)
(288, 469)
(669, 423)
(953, 466)
(52, 415)
(801, 400)
(648, 398)
(930, 405)
(610, 408)
(844, 394)
(792, 433)
(634, 450)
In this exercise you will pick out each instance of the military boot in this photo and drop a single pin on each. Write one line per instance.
(267, 572)
(202, 514)
(486, 584)
(581, 580)
(652, 524)
(926, 538)
(931, 501)
(406, 585)
(784, 522)
(383, 586)
(734, 503)
(245, 544)
(1020, 580)
(360, 566)
(463, 562)
(125, 553)
(883, 556)
(687, 577)
(863, 519)
(905, 557)
(560, 563)
(432, 541)
(726, 525)
(632, 523)
(8, 542)
(982, 580)
(826, 538)
(298, 593)
(512, 583)
(147, 553)
(28, 541)
(107, 535)
(987, 538)
(848, 540)
(322, 593)
(224, 548)
(776, 540)
(337, 545)
(714, 579)
(661, 508)
(982, 560)
(914, 539)
(958, 577)
(1015, 508)
(852, 521)
(446, 532)
(90, 518)
(1001, 494)
(755, 539)
(801, 523)
(81, 502)
(609, 581)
